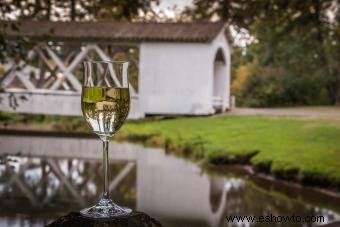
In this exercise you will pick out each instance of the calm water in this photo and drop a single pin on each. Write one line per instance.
(42, 178)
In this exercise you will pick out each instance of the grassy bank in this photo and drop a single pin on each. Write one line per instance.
(306, 150)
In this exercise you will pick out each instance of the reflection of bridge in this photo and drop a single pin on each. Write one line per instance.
(176, 189)
(166, 187)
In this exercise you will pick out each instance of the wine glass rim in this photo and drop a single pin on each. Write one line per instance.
(105, 61)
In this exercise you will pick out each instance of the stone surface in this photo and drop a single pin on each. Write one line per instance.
(136, 219)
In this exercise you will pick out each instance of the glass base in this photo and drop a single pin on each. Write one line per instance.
(105, 209)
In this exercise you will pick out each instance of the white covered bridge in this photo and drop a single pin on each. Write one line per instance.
(176, 68)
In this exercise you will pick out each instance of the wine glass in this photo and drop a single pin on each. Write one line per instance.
(105, 103)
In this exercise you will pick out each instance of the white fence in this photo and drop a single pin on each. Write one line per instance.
(49, 81)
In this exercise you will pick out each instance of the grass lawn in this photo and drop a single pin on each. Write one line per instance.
(304, 149)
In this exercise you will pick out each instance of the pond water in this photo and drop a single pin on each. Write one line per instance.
(44, 177)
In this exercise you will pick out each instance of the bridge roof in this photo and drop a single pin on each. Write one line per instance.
(114, 31)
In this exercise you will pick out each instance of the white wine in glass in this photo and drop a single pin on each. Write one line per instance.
(105, 109)
(105, 103)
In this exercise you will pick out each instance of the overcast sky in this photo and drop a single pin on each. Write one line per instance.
(171, 3)
(167, 5)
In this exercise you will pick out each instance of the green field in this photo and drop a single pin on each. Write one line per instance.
(303, 149)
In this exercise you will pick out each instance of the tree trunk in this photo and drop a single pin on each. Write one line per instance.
(48, 10)
(331, 83)
(73, 10)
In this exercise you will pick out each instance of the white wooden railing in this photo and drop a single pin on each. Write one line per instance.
(217, 102)
(51, 73)
(55, 69)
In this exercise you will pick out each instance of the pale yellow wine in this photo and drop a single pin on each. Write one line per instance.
(105, 109)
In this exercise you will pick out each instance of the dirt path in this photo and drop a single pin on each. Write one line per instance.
(333, 112)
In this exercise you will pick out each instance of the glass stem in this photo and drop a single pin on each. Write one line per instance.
(106, 168)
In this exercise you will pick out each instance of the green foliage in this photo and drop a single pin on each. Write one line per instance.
(15, 50)
(66, 10)
(262, 86)
(291, 56)
(238, 13)
(117, 10)
(295, 54)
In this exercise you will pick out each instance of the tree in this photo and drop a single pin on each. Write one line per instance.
(78, 10)
(299, 37)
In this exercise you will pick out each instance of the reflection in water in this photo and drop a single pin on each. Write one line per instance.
(42, 178)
